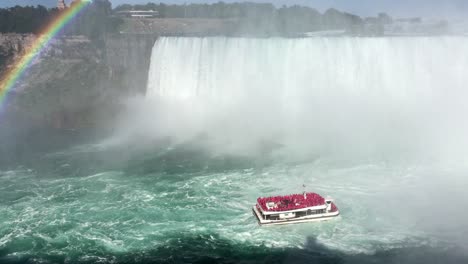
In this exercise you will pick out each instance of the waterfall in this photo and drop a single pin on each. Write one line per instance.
(358, 93)
(223, 68)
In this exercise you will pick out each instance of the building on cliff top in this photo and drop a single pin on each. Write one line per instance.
(138, 13)
(61, 4)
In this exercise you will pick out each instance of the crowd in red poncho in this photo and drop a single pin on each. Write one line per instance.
(291, 202)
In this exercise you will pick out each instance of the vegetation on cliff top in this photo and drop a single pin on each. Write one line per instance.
(266, 18)
(25, 19)
(94, 21)
(254, 18)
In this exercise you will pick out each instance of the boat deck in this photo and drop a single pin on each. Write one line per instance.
(290, 202)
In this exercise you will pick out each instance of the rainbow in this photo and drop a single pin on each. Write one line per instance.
(11, 77)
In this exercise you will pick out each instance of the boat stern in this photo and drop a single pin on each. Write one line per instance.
(257, 214)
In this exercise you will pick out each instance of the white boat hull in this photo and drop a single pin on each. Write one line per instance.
(304, 219)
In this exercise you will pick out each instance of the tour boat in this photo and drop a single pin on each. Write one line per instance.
(295, 208)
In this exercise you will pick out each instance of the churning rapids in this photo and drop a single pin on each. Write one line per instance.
(377, 123)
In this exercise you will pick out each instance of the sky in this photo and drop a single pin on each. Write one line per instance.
(397, 8)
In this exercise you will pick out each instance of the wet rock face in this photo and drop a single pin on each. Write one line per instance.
(129, 55)
(11, 46)
(75, 80)
(73, 90)
(64, 74)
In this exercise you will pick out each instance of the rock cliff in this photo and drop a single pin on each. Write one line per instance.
(75, 76)
(76, 85)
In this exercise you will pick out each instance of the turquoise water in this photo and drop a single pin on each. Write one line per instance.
(94, 203)
(376, 123)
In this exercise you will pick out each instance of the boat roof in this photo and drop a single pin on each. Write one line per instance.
(291, 203)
